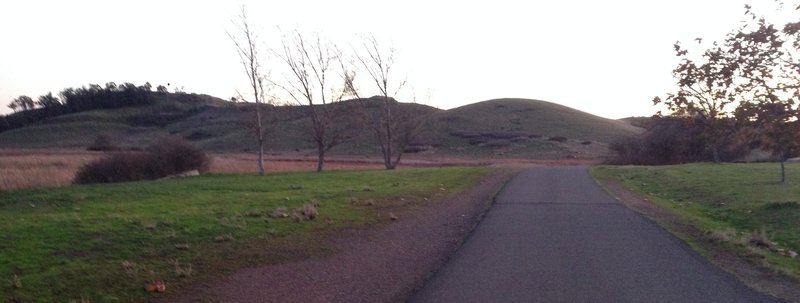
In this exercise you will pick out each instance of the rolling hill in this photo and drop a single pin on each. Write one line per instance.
(494, 128)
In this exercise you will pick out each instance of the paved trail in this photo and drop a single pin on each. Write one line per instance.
(555, 236)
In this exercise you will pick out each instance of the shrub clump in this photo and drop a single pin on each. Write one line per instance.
(165, 157)
(103, 142)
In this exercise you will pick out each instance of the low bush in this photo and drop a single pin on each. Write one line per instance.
(175, 155)
(674, 141)
(103, 142)
(167, 156)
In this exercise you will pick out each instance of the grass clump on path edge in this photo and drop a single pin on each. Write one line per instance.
(741, 207)
(102, 243)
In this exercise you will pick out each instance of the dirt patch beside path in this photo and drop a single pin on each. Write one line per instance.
(743, 268)
(380, 264)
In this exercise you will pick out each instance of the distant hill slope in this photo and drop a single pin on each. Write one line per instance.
(529, 128)
(536, 117)
(502, 127)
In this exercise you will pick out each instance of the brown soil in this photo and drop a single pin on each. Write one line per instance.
(383, 263)
(744, 268)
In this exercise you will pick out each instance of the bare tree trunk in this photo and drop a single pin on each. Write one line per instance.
(260, 148)
(320, 156)
(248, 53)
(715, 154)
(397, 160)
(783, 172)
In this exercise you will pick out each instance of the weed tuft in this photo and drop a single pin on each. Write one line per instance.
(223, 238)
(182, 271)
(280, 212)
(253, 213)
(727, 235)
(306, 213)
(759, 238)
(16, 282)
(182, 246)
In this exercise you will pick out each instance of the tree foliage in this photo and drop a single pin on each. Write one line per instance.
(74, 100)
(747, 86)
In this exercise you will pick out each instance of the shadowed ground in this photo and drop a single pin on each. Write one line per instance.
(555, 236)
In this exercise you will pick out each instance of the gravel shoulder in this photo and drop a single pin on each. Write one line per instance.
(383, 263)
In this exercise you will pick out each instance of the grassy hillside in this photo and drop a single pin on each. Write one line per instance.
(503, 127)
(537, 118)
(525, 127)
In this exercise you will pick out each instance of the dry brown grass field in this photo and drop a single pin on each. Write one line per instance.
(20, 168)
(40, 168)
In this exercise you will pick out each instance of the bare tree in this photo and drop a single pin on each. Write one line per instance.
(393, 126)
(247, 49)
(315, 83)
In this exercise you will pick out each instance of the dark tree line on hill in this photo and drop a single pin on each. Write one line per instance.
(739, 94)
(75, 100)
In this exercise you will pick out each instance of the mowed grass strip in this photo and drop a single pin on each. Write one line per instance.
(741, 205)
(102, 243)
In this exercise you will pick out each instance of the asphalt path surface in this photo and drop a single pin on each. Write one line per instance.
(553, 235)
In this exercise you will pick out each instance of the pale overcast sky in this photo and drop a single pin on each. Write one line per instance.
(608, 58)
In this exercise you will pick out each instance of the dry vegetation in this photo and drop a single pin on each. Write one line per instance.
(21, 168)
(41, 168)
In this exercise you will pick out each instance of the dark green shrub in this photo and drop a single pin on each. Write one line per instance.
(175, 155)
(118, 167)
(103, 142)
(167, 156)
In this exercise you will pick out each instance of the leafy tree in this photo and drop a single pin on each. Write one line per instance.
(24, 103)
(767, 53)
(708, 90)
(13, 106)
(48, 101)
(161, 89)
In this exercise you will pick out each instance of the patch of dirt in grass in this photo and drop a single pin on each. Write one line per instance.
(745, 268)
(385, 262)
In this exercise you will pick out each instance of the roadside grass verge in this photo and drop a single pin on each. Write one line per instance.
(102, 243)
(743, 207)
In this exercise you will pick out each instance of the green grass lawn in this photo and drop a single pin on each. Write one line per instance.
(101, 243)
(732, 203)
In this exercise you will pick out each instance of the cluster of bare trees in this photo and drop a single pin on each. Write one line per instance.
(746, 86)
(320, 78)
